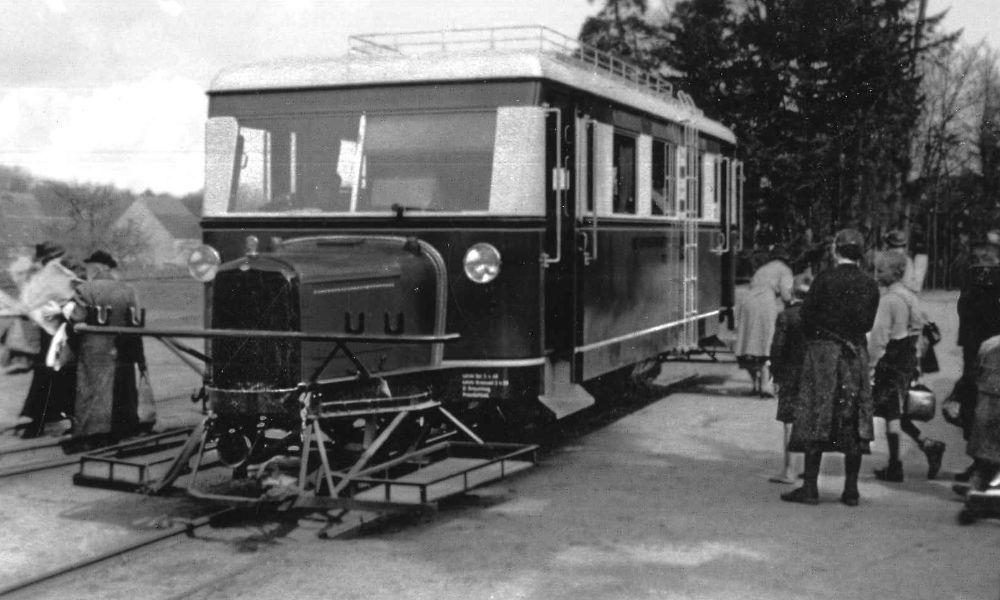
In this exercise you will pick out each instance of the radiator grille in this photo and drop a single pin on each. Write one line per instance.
(258, 300)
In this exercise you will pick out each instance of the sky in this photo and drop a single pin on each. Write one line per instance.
(113, 91)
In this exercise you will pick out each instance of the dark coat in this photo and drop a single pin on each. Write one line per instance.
(106, 396)
(787, 351)
(51, 392)
(835, 409)
(979, 307)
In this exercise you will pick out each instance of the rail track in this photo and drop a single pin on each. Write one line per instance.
(187, 526)
(631, 400)
(151, 443)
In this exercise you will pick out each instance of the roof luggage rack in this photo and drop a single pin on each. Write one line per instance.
(538, 39)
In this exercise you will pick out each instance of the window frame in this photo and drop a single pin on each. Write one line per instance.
(618, 135)
(669, 178)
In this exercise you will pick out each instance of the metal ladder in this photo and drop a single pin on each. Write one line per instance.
(689, 340)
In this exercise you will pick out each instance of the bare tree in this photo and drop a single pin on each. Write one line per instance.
(942, 147)
(956, 156)
(93, 222)
(988, 130)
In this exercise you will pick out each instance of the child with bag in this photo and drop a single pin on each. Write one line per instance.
(893, 358)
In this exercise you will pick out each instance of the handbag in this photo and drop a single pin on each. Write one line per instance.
(920, 403)
(928, 359)
(146, 404)
(951, 411)
(931, 332)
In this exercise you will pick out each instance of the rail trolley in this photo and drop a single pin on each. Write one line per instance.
(536, 212)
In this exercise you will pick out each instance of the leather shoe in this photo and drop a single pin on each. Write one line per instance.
(801, 495)
(935, 452)
(893, 472)
(965, 475)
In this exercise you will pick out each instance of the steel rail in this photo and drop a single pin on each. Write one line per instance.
(121, 550)
(23, 449)
(45, 465)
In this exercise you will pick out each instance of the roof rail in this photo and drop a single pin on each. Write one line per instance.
(537, 39)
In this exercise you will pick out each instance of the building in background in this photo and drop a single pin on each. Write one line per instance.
(168, 227)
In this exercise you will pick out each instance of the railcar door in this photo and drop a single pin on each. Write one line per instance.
(687, 179)
(593, 178)
(729, 190)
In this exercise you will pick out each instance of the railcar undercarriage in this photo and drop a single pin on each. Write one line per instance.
(348, 445)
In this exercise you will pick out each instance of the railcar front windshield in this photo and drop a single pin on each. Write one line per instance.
(487, 161)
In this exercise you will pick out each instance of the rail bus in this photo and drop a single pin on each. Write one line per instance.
(539, 213)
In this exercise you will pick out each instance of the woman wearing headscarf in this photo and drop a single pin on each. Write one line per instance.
(107, 396)
(770, 289)
(835, 408)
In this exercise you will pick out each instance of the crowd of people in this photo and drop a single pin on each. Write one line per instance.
(91, 381)
(844, 347)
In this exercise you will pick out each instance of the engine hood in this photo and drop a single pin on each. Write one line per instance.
(343, 284)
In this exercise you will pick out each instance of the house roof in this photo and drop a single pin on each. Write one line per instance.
(171, 213)
(181, 226)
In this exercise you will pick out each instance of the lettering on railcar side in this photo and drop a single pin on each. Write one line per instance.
(482, 385)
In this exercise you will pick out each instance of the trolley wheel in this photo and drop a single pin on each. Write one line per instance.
(967, 517)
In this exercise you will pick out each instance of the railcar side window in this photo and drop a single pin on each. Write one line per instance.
(664, 172)
(709, 187)
(474, 161)
(623, 195)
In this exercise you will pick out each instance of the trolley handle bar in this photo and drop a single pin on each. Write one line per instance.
(263, 334)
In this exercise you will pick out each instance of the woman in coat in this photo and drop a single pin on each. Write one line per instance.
(835, 403)
(770, 290)
(106, 397)
(984, 434)
(50, 396)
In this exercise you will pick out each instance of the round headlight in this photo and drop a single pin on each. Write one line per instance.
(203, 263)
(482, 263)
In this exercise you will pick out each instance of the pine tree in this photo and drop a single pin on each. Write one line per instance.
(626, 29)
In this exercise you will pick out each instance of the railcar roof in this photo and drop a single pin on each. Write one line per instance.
(385, 69)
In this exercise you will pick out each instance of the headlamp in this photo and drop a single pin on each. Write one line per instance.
(482, 263)
(203, 263)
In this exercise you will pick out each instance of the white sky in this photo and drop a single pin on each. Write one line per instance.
(112, 91)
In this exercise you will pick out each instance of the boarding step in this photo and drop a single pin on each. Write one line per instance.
(439, 471)
(132, 465)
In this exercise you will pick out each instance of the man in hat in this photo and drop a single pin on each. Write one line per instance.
(895, 241)
(49, 283)
(48, 251)
(107, 397)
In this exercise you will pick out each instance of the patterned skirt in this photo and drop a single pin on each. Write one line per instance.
(835, 411)
(788, 395)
